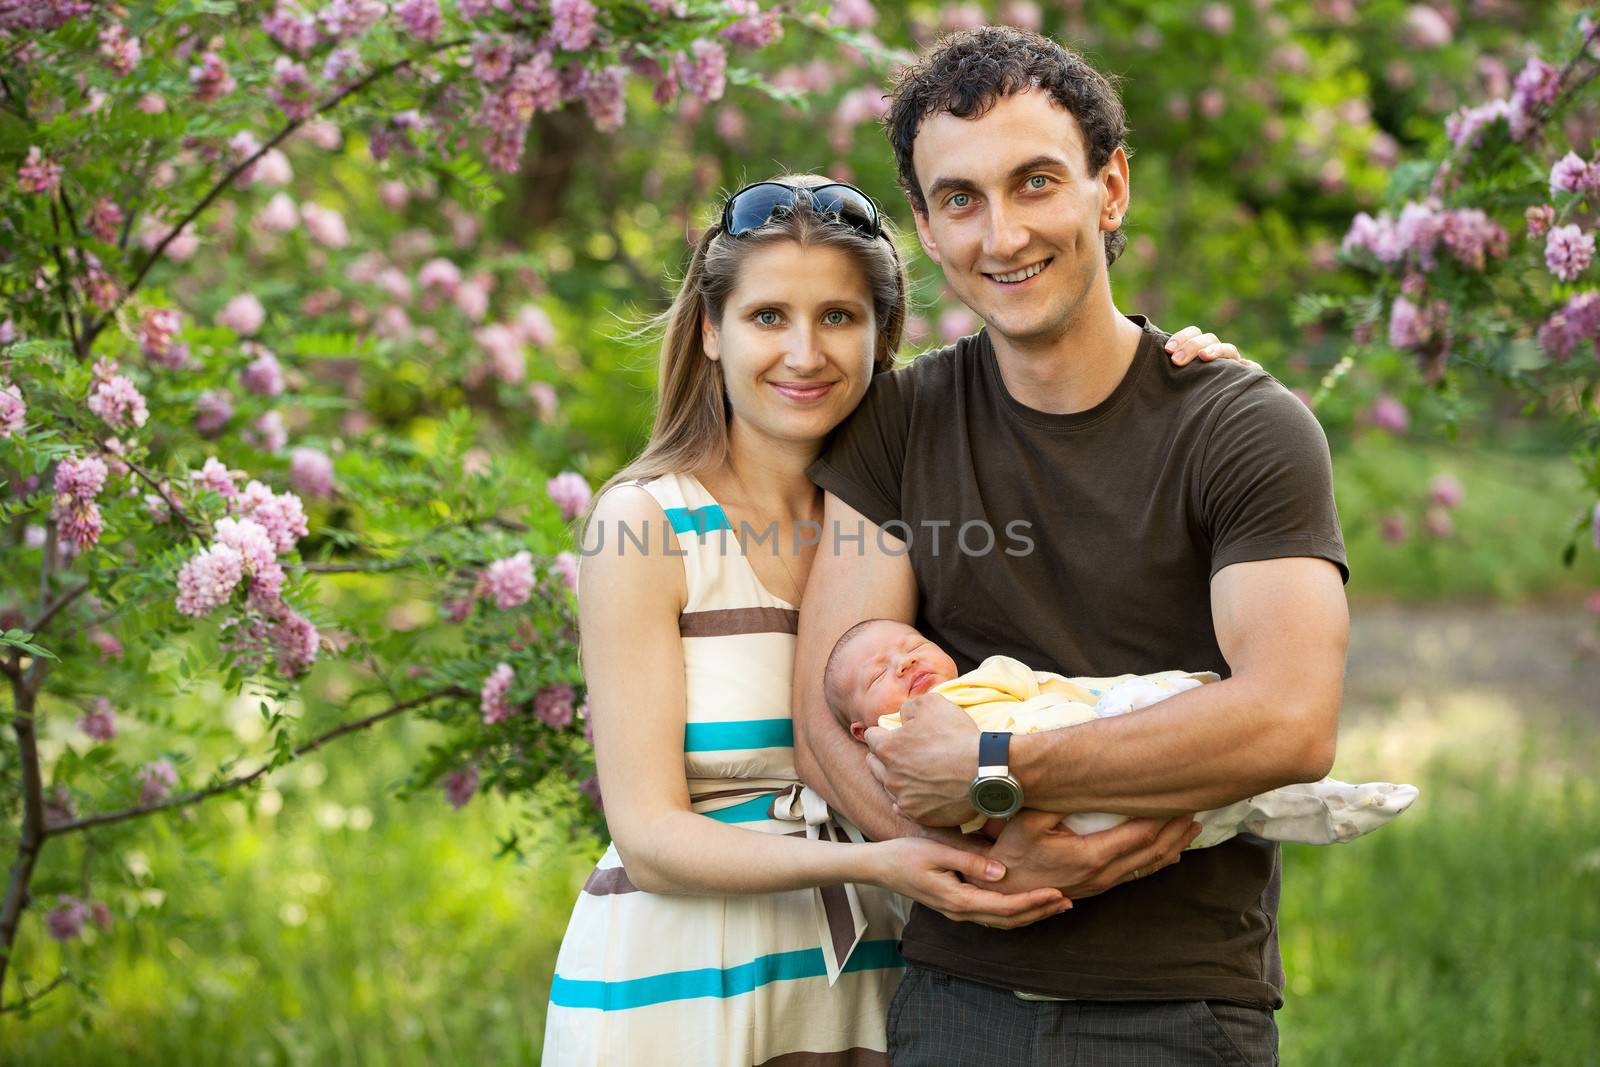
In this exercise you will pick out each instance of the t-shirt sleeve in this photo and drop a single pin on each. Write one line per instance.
(1267, 482)
(863, 463)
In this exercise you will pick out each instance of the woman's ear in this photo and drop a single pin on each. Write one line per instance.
(710, 338)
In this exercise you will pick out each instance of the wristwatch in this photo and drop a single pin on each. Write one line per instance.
(994, 792)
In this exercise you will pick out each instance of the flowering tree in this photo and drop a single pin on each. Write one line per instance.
(1481, 266)
(231, 420)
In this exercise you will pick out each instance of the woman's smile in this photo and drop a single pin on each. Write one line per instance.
(803, 392)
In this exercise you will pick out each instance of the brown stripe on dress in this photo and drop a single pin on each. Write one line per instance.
(725, 622)
(850, 1057)
(608, 882)
(695, 798)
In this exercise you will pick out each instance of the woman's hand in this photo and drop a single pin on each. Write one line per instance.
(931, 873)
(1190, 344)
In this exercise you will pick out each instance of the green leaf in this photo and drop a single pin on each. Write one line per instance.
(23, 641)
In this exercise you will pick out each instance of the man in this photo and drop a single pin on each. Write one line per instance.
(1137, 517)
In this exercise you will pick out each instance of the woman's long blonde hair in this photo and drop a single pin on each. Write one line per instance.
(690, 433)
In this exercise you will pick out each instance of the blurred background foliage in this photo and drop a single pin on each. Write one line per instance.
(328, 920)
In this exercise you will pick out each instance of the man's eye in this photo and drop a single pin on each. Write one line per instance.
(1038, 181)
(768, 318)
(960, 200)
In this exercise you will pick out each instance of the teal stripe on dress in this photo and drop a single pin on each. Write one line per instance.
(740, 734)
(749, 811)
(716, 982)
(698, 520)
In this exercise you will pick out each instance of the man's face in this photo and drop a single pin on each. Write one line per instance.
(1013, 214)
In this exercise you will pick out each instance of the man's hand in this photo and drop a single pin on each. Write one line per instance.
(928, 764)
(1038, 851)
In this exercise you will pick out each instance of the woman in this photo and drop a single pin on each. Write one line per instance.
(733, 921)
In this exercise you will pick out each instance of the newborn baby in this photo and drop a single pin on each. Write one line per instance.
(879, 664)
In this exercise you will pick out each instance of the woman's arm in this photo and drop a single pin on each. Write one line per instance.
(628, 604)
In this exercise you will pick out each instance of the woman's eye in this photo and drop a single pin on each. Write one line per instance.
(836, 318)
(768, 318)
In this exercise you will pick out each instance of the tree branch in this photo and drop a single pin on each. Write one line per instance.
(56, 605)
(18, 1005)
(231, 784)
(93, 331)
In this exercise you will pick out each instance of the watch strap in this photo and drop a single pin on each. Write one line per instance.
(994, 753)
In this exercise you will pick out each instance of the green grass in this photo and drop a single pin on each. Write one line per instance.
(1466, 933)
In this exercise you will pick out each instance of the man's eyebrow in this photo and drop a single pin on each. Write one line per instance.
(953, 183)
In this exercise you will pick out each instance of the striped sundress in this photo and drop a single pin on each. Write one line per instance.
(779, 979)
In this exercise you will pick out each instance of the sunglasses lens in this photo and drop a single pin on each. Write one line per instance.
(753, 206)
(849, 204)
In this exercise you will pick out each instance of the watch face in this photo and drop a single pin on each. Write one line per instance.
(995, 796)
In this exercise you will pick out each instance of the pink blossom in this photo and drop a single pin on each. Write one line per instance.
(13, 412)
(510, 580)
(212, 410)
(472, 297)
(1393, 530)
(1374, 235)
(208, 579)
(100, 721)
(292, 89)
(1446, 491)
(1472, 237)
(1023, 14)
(280, 515)
(158, 330)
(703, 73)
(325, 225)
(570, 492)
(295, 643)
(78, 521)
(572, 24)
(311, 472)
(1425, 28)
(1571, 174)
(210, 78)
(755, 28)
(1418, 230)
(1578, 320)
(81, 477)
(1408, 327)
(1594, 526)
(460, 785)
(493, 699)
(292, 28)
(1387, 413)
(37, 174)
(440, 274)
(65, 921)
(344, 19)
(243, 315)
(394, 194)
(507, 359)
(421, 18)
(604, 99)
(553, 705)
(1568, 251)
(1465, 127)
(956, 323)
(1217, 18)
(1540, 218)
(1438, 524)
(121, 52)
(110, 648)
(590, 787)
(156, 782)
(263, 376)
(566, 565)
(215, 476)
(1536, 86)
(543, 395)
(118, 401)
(492, 57)
(279, 215)
(100, 914)
(534, 326)
(342, 66)
(853, 14)
(105, 218)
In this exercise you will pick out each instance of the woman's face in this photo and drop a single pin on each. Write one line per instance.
(796, 341)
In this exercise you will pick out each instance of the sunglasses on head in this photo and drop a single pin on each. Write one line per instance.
(756, 205)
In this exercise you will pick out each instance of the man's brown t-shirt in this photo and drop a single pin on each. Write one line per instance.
(1107, 526)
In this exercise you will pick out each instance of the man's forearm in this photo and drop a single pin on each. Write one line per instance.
(833, 763)
(1195, 751)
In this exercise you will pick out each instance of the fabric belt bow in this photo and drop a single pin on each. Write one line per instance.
(840, 918)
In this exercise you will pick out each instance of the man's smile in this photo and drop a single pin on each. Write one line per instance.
(1018, 277)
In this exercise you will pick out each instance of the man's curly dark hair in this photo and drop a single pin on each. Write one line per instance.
(965, 73)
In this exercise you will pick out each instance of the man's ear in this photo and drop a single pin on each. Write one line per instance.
(710, 337)
(924, 235)
(1114, 191)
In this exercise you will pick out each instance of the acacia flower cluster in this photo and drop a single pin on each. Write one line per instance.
(79, 480)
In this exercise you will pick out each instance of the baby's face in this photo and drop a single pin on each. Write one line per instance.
(884, 666)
